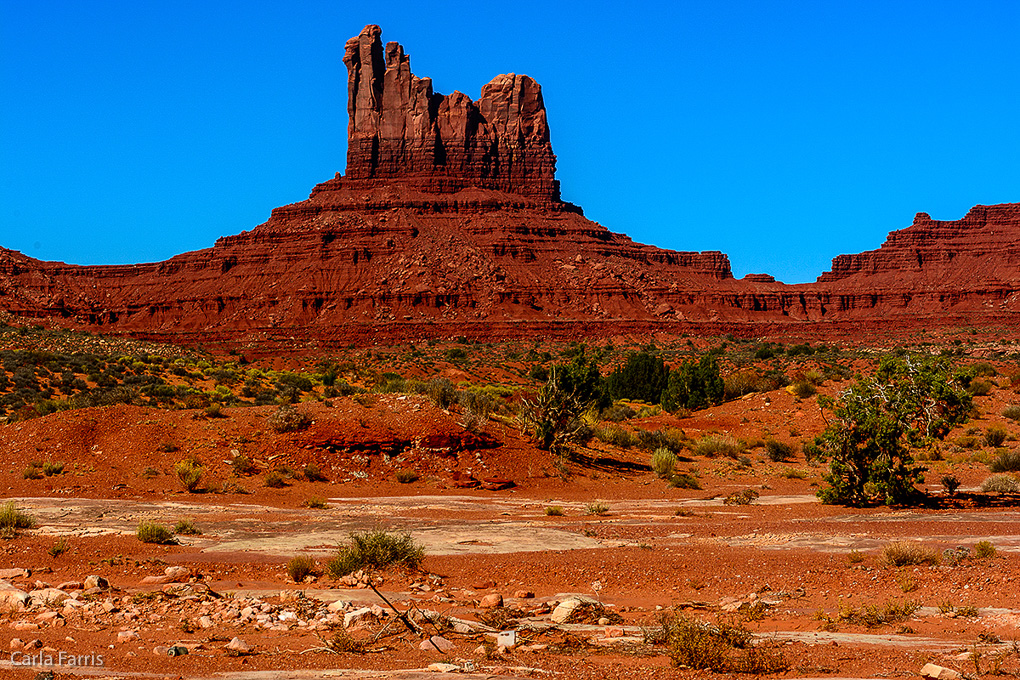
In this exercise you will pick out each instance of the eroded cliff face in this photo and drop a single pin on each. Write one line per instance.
(400, 130)
(448, 222)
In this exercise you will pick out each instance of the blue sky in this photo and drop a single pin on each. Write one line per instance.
(781, 133)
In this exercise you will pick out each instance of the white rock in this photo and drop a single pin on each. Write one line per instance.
(439, 641)
(564, 610)
(355, 617)
(238, 646)
(337, 606)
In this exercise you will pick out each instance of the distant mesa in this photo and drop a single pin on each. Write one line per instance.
(449, 222)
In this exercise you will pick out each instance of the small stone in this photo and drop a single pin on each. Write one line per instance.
(8, 574)
(70, 585)
(205, 622)
(177, 573)
(155, 580)
(564, 610)
(614, 631)
(435, 641)
(479, 650)
(443, 667)
(524, 594)
(491, 601)
(160, 650)
(25, 625)
(357, 616)
(16, 644)
(96, 582)
(604, 621)
(128, 636)
(291, 595)
(238, 646)
(33, 644)
(484, 585)
(930, 670)
(337, 606)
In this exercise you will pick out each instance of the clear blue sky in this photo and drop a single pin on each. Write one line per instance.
(781, 133)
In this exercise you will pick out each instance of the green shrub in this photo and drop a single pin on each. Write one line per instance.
(794, 473)
(1012, 412)
(186, 527)
(663, 462)
(442, 393)
(980, 388)
(242, 465)
(684, 480)
(288, 419)
(712, 445)
(554, 511)
(215, 410)
(61, 547)
(984, 549)
(778, 451)
(51, 468)
(871, 615)
(950, 483)
(642, 378)
(995, 435)
(406, 476)
(1001, 484)
(618, 412)
(275, 480)
(694, 386)
(152, 532)
(697, 645)
(596, 508)
(299, 567)
(32, 472)
(189, 473)
(1005, 461)
(617, 436)
(903, 553)
(12, 519)
(312, 473)
(377, 549)
(804, 389)
(315, 502)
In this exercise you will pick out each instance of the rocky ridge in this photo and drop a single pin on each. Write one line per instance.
(449, 221)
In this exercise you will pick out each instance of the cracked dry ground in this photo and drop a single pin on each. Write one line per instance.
(655, 550)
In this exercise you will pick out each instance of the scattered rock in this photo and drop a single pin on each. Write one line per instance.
(524, 594)
(443, 668)
(96, 582)
(237, 646)
(564, 609)
(9, 574)
(357, 616)
(930, 670)
(491, 601)
(435, 641)
(128, 636)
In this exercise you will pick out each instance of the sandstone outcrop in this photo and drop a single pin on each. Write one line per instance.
(449, 222)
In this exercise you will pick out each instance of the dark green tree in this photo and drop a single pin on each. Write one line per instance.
(694, 386)
(908, 403)
(581, 377)
(643, 377)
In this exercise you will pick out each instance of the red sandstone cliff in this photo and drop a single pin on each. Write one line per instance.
(448, 222)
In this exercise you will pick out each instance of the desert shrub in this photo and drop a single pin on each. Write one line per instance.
(803, 389)
(995, 435)
(32, 472)
(342, 642)
(684, 480)
(242, 465)
(61, 547)
(299, 567)
(215, 410)
(315, 502)
(378, 549)
(663, 462)
(186, 527)
(51, 468)
(694, 386)
(554, 511)
(617, 436)
(855, 557)
(903, 553)
(618, 412)
(189, 474)
(745, 497)
(442, 392)
(669, 438)
(698, 645)
(979, 387)
(778, 451)
(288, 419)
(12, 519)
(596, 508)
(871, 615)
(984, 549)
(1001, 484)
(1005, 461)
(712, 445)
(406, 476)
(907, 404)
(274, 480)
(153, 532)
(168, 447)
(312, 473)
(950, 483)
(1012, 412)
(558, 415)
(794, 473)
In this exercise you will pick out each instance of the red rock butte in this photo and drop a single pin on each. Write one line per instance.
(448, 222)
